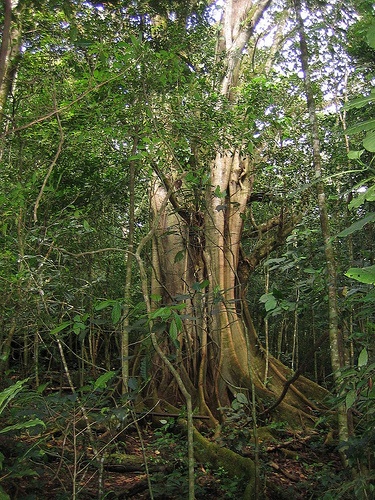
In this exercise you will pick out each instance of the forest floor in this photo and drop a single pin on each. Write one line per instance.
(292, 466)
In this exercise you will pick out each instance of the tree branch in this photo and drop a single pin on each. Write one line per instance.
(262, 228)
(239, 25)
(268, 245)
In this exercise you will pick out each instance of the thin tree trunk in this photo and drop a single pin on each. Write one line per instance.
(128, 277)
(295, 353)
(176, 375)
(4, 50)
(266, 327)
(5, 346)
(336, 343)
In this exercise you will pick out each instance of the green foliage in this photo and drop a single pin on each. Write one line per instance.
(367, 195)
(19, 468)
(102, 381)
(364, 274)
(361, 38)
(6, 396)
(138, 83)
(171, 444)
(237, 428)
(229, 486)
(9, 393)
(275, 303)
(361, 102)
(371, 36)
(358, 225)
(116, 309)
(65, 430)
(170, 447)
(23, 425)
(358, 391)
(169, 318)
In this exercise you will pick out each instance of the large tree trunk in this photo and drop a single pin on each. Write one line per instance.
(197, 259)
(9, 51)
(218, 351)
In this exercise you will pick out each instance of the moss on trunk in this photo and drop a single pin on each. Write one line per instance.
(236, 466)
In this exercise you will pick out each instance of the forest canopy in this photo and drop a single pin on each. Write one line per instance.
(187, 227)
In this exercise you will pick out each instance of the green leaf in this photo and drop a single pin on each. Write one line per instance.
(200, 286)
(87, 226)
(41, 387)
(218, 193)
(362, 126)
(179, 256)
(269, 301)
(10, 392)
(350, 398)
(371, 36)
(178, 321)
(133, 383)
(362, 274)
(23, 425)
(271, 304)
(173, 332)
(355, 155)
(61, 327)
(77, 327)
(277, 294)
(368, 195)
(116, 312)
(178, 307)
(369, 142)
(104, 304)
(162, 312)
(363, 358)
(236, 405)
(274, 261)
(356, 226)
(241, 398)
(101, 382)
(359, 102)
(310, 270)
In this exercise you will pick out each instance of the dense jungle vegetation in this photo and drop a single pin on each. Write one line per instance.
(187, 233)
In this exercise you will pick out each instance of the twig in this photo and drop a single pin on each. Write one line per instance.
(135, 420)
(92, 252)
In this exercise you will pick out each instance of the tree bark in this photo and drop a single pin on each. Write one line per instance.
(9, 52)
(129, 235)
